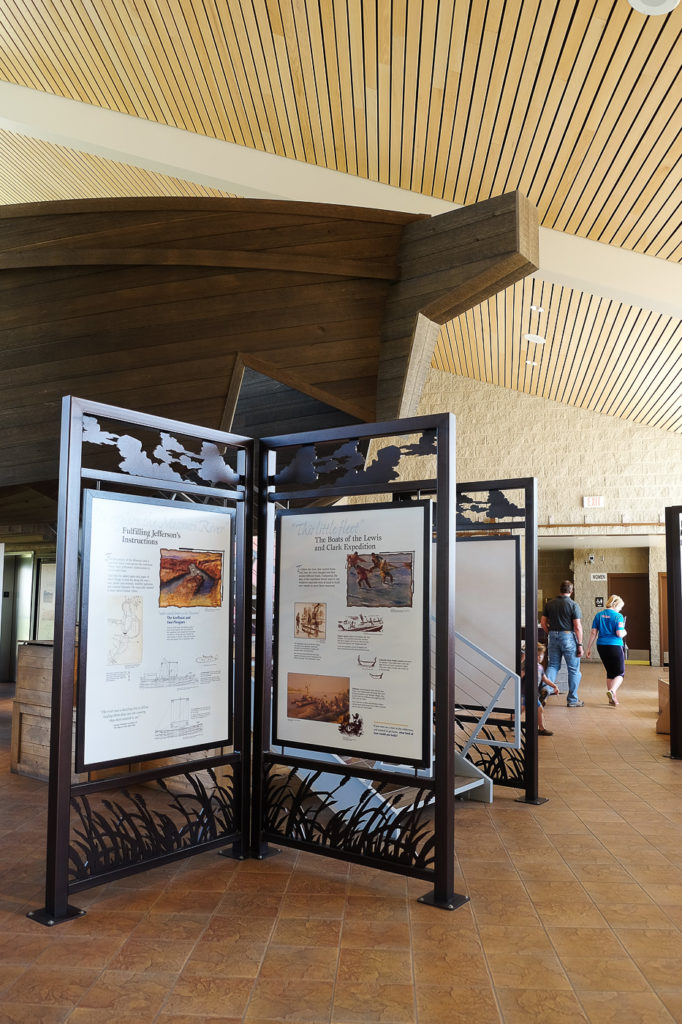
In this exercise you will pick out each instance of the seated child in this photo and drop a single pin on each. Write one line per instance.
(545, 684)
(542, 728)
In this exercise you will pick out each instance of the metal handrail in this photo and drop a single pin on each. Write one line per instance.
(478, 690)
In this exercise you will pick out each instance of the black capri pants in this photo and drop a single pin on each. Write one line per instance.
(613, 659)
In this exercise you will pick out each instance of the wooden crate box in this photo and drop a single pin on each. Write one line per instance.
(30, 752)
(34, 673)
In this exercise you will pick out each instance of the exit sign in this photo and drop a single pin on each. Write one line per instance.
(593, 501)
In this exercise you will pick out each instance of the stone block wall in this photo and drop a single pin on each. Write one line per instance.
(572, 452)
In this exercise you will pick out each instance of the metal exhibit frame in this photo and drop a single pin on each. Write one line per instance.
(673, 545)
(314, 469)
(207, 813)
(498, 515)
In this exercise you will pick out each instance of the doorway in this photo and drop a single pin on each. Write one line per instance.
(17, 610)
(633, 587)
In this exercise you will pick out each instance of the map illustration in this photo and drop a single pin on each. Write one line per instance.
(125, 629)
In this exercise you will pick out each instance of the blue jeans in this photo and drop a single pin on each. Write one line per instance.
(564, 645)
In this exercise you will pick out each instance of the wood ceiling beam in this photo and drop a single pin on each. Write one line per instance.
(628, 276)
(449, 264)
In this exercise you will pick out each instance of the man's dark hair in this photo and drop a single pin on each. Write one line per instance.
(566, 587)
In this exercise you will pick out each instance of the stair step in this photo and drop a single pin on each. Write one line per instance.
(463, 784)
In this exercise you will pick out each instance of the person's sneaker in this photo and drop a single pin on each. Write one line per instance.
(576, 704)
(612, 697)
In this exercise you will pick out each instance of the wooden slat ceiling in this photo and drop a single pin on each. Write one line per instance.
(575, 104)
(598, 354)
(32, 170)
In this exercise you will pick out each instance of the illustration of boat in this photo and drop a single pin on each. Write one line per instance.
(361, 624)
(168, 673)
(367, 663)
(376, 675)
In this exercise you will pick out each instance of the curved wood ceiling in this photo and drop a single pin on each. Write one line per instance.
(576, 105)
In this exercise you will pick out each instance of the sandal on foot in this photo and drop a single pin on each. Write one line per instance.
(612, 698)
(545, 732)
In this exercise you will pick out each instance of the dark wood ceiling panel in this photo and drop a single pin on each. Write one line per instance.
(167, 336)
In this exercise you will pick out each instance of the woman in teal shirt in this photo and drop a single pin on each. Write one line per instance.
(608, 629)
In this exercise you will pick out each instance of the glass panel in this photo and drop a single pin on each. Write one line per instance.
(46, 600)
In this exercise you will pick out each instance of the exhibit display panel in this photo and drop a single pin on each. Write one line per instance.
(153, 606)
(353, 751)
(351, 663)
(355, 707)
(488, 589)
(504, 513)
(155, 633)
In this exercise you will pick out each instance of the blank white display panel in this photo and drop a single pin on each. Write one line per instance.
(488, 595)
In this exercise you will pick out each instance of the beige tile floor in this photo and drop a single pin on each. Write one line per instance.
(575, 910)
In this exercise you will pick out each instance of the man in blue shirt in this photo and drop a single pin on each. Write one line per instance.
(561, 622)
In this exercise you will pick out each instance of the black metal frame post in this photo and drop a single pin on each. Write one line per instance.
(531, 622)
(673, 546)
(57, 907)
(443, 894)
(265, 559)
(243, 705)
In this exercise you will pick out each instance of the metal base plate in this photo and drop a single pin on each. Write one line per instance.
(268, 851)
(234, 852)
(452, 903)
(536, 803)
(43, 916)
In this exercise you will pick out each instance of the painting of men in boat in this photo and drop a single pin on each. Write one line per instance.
(317, 698)
(382, 579)
(310, 620)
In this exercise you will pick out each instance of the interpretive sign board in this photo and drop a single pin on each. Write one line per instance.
(156, 630)
(488, 596)
(352, 653)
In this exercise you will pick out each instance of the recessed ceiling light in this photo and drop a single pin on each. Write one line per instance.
(537, 309)
(654, 6)
(534, 339)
